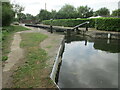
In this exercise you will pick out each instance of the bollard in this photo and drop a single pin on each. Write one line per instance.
(51, 29)
(77, 30)
(109, 35)
(86, 27)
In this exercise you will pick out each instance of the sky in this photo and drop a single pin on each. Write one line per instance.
(34, 6)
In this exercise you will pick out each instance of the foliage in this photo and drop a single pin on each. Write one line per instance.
(18, 11)
(18, 8)
(70, 12)
(44, 15)
(102, 12)
(7, 13)
(69, 22)
(29, 17)
(53, 14)
(67, 11)
(111, 24)
(4, 58)
(21, 16)
(116, 12)
(85, 11)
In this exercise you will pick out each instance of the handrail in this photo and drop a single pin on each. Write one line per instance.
(87, 22)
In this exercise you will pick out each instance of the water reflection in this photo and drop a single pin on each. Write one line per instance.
(86, 63)
(107, 45)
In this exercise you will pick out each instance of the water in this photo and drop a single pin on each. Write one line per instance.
(89, 63)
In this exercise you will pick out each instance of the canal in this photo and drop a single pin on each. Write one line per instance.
(89, 63)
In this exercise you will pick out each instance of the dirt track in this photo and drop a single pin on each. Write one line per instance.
(51, 44)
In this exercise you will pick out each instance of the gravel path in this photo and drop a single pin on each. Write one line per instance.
(51, 44)
(15, 54)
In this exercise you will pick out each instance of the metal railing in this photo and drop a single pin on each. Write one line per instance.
(87, 22)
(76, 28)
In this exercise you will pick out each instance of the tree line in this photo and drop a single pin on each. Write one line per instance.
(66, 12)
(69, 12)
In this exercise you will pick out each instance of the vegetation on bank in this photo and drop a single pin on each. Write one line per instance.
(108, 24)
(34, 73)
(68, 11)
(7, 14)
(7, 36)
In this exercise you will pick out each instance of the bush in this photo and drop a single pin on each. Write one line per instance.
(4, 58)
(108, 24)
(69, 22)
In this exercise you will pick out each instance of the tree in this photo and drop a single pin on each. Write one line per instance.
(44, 15)
(7, 13)
(18, 10)
(53, 14)
(21, 16)
(67, 11)
(29, 17)
(116, 12)
(102, 12)
(85, 11)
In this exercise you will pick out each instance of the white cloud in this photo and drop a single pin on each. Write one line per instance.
(34, 6)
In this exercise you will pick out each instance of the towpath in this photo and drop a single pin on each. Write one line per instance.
(15, 57)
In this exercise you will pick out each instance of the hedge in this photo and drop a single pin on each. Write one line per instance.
(69, 22)
(109, 24)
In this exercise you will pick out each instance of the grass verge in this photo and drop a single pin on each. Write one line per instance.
(34, 73)
(7, 37)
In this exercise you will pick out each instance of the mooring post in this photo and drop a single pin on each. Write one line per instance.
(86, 27)
(51, 30)
(77, 30)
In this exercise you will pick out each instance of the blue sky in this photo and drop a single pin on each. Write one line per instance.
(33, 6)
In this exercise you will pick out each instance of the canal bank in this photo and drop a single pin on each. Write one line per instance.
(41, 56)
(87, 61)
(92, 32)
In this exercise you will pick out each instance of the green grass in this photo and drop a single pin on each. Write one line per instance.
(33, 73)
(7, 37)
(49, 46)
(4, 58)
